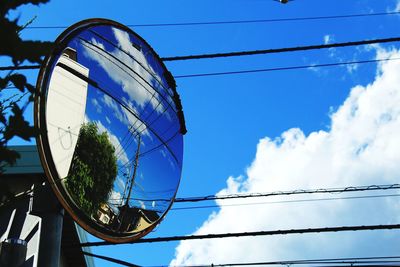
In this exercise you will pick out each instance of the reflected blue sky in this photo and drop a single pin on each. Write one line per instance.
(132, 101)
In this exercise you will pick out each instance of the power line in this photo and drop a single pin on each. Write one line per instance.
(284, 68)
(250, 71)
(114, 260)
(256, 233)
(258, 52)
(294, 192)
(341, 261)
(284, 201)
(281, 50)
(282, 193)
(27, 67)
(204, 23)
(353, 260)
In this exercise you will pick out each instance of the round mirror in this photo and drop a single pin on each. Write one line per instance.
(111, 129)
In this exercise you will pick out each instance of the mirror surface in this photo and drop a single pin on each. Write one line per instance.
(110, 125)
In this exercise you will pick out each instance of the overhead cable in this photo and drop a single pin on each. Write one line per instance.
(277, 193)
(114, 260)
(341, 261)
(353, 260)
(247, 234)
(284, 201)
(283, 68)
(239, 21)
(246, 71)
(294, 192)
(26, 67)
(259, 52)
(281, 50)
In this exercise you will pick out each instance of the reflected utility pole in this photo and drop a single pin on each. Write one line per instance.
(135, 166)
(125, 207)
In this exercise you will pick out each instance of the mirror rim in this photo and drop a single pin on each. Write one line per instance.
(42, 141)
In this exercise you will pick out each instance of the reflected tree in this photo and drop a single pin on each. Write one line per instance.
(93, 169)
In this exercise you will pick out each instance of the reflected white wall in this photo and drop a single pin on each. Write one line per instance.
(66, 105)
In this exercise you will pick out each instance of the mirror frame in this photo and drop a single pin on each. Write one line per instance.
(43, 143)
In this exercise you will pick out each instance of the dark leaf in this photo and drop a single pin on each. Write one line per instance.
(6, 5)
(31, 88)
(16, 48)
(3, 83)
(3, 119)
(19, 81)
(17, 126)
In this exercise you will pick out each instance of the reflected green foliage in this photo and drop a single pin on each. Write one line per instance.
(93, 169)
(12, 121)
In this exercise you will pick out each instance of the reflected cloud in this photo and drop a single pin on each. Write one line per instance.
(96, 104)
(119, 149)
(115, 198)
(125, 116)
(136, 82)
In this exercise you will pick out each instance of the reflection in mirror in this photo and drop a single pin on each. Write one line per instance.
(114, 129)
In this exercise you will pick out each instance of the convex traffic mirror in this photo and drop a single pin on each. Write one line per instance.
(111, 129)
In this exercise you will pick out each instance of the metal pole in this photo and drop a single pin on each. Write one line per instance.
(46, 205)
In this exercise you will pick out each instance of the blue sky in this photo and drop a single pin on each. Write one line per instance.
(267, 131)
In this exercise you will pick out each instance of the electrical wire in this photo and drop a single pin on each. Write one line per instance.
(240, 21)
(281, 50)
(113, 260)
(258, 52)
(281, 193)
(285, 201)
(256, 233)
(294, 192)
(341, 261)
(353, 260)
(284, 68)
(26, 67)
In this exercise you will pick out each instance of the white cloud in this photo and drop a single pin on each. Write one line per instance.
(328, 39)
(396, 8)
(361, 147)
(351, 68)
(335, 54)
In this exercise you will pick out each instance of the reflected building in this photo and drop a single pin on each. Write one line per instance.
(135, 219)
(65, 108)
(105, 215)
